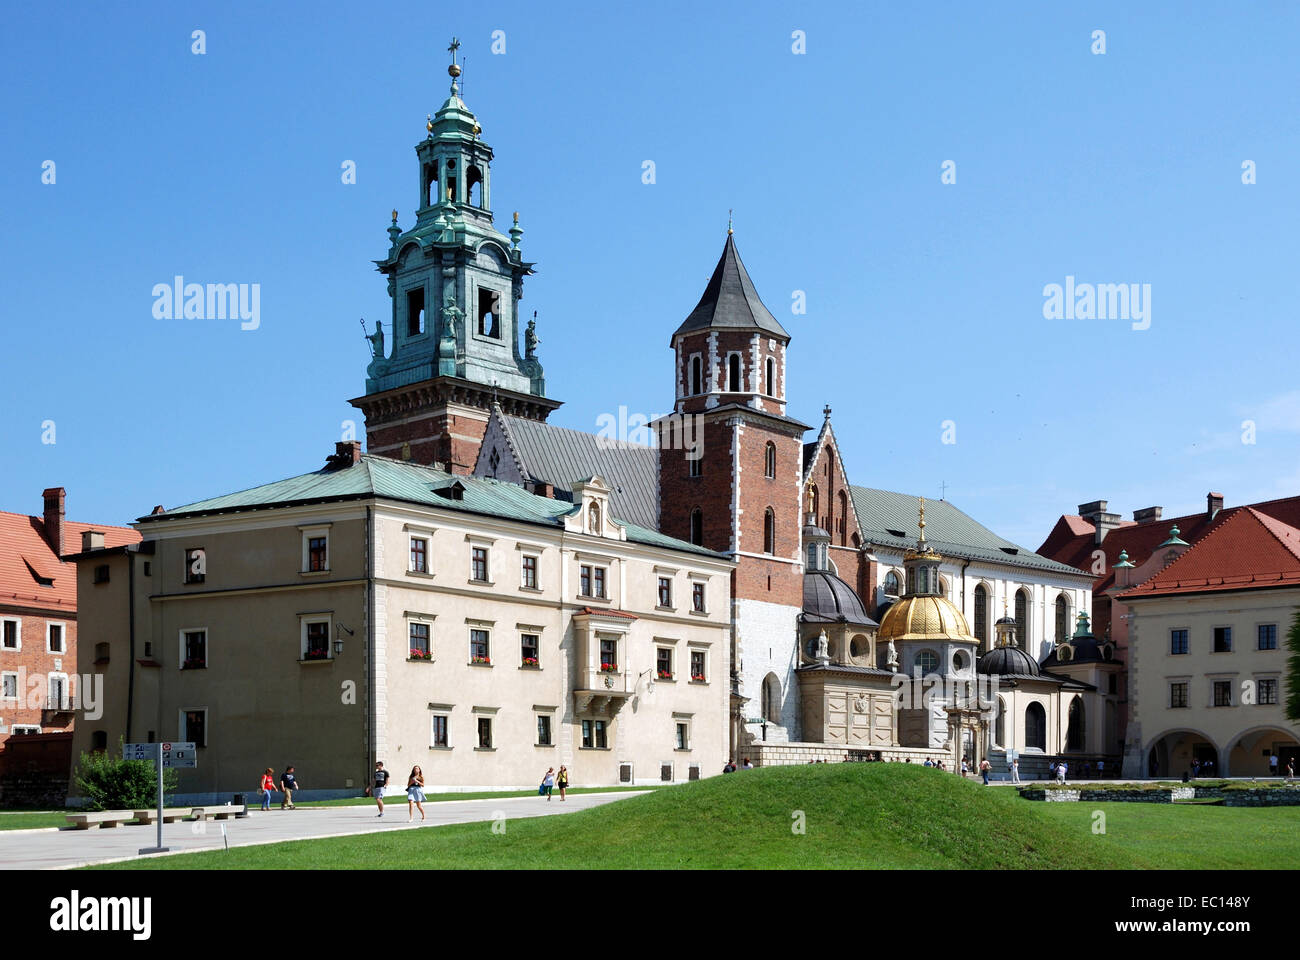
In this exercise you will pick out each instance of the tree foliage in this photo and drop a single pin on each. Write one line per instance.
(109, 782)
(1293, 670)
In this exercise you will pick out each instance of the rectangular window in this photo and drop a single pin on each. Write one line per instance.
(543, 730)
(11, 635)
(317, 554)
(1268, 690)
(196, 565)
(419, 635)
(608, 655)
(697, 597)
(316, 640)
(1223, 639)
(665, 591)
(54, 638)
(697, 665)
(594, 734)
(415, 312)
(1112, 684)
(1177, 641)
(528, 649)
(1268, 636)
(528, 574)
(693, 463)
(56, 692)
(1223, 693)
(1177, 695)
(664, 663)
(419, 555)
(101, 573)
(598, 581)
(24, 728)
(479, 650)
(479, 564)
(683, 737)
(439, 732)
(194, 650)
(489, 313)
(9, 686)
(591, 581)
(485, 733)
(194, 727)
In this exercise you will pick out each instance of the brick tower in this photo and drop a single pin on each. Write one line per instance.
(455, 283)
(730, 476)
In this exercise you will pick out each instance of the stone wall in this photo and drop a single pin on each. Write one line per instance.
(789, 754)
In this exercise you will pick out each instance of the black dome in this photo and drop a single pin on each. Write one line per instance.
(827, 597)
(1007, 662)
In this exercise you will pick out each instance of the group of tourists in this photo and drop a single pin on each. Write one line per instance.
(288, 784)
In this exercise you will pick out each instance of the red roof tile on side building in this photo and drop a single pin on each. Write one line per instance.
(31, 574)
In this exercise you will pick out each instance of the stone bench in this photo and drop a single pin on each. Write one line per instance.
(170, 815)
(222, 812)
(100, 818)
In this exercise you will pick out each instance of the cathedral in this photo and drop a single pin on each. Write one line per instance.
(841, 595)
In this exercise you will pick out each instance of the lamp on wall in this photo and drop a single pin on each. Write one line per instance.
(650, 686)
(338, 637)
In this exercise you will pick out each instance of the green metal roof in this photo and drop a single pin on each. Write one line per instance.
(889, 519)
(411, 483)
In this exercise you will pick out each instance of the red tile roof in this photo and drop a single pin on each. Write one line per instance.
(1071, 540)
(26, 559)
(609, 612)
(1247, 550)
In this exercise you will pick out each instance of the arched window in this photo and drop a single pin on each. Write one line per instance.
(1022, 620)
(892, 586)
(843, 519)
(593, 516)
(1074, 733)
(474, 187)
(1062, 618)
(1000, 726)
(772, 699)
(982, 616)
(927, 662)
(1035, 727)
(697, 375)
(697, 527)
(733, 374)
(769, 531)
(769, 461)
(771, 376)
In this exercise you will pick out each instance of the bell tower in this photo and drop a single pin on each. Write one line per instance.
(455, 284)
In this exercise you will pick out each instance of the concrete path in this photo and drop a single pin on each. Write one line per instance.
(60, 849)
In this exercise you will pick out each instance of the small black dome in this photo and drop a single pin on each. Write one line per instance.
(1007, 662)
(827, 597)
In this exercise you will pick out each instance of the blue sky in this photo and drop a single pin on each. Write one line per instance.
(924, 299)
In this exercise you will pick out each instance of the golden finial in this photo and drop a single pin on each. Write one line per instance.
(516, 216)
(394, 216)
(428, 122)
(453, 70)
(922, 523)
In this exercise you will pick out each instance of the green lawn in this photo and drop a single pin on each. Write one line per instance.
(28, 820)
(400, 797)
(856, 815)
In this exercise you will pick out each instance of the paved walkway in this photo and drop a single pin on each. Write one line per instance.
(61, 849)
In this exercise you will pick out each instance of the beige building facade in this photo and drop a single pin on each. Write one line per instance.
(383, 610)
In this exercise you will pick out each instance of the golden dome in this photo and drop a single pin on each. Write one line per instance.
(924, 618)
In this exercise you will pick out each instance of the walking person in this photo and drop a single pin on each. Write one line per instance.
(562, 780)
(288, 784)
(1015, 771)
(268, 784)
(965, 767)
(985, 767)
(1060, 772)
(381, 781)
(1272, 764)
(1290, 769)
(415, 792)
(548, 782)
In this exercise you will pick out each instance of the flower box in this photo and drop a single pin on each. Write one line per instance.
(487, 661)
(665, 674)
(531, 662)
(417, 654)
(697, 677)
(194, 665)
(609, 668)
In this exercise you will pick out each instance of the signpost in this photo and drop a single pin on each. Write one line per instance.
(164, 755)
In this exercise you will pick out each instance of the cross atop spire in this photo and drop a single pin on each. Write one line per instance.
(455, 45)
(728, 221)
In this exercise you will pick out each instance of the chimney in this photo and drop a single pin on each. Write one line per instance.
(54, 498)
(1147, 515)
(1213, 504)
(1095, 513)
(543, 489)
(346, 453)
(92, 540)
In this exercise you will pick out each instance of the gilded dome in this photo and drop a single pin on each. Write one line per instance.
(924, 617)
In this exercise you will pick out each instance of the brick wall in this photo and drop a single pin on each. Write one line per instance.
(438, 437)
(33, 662)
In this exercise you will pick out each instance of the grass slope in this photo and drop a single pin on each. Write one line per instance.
(874, 815)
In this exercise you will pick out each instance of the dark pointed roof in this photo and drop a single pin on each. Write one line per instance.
(730, 300)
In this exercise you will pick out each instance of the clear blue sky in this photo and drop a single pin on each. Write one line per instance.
(925, 300)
